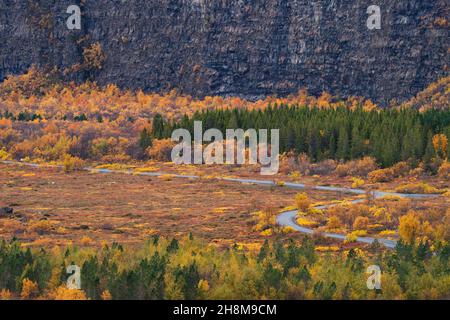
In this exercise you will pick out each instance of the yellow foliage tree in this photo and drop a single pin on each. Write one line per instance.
(361, 223)
(5, 294)
(161, 150)
(444, 170)
(334, 222)
(440, 144)
(409, 227)
(106, 295)
(302, 202)
(72, 163)
(203, 285)
(357, 182)
(30, 289)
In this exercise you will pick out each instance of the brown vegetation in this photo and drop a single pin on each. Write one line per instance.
(53, 208)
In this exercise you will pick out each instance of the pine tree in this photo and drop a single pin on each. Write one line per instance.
(158, 126)
(358, 148)
(343, 144)
(145, 140)
(429, 149)
(263, 251)
(390, 153)
(173, 246)
(332, 146)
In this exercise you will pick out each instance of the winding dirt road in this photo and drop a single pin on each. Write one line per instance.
(286, 219)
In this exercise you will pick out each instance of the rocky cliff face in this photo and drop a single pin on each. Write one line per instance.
(238, 47)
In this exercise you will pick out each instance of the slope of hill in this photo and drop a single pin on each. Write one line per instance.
(435, 96)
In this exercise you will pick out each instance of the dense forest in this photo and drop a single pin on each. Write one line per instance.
(190, 269)
(389, 136)
(45, 119)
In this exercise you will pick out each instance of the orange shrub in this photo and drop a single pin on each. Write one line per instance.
(23, 149)
(289, 162)
(359, 167)
(40, 227)
(4, 155)
(5, 294)
(106, 295)
(357, 183)
(334, 222)
(421, 187)
(361, 223)
(444, 170)
(401, 169)
(381, 175)
(29, 289)
(122, 158)
(63, 293)
(161, 150)
(86, 241)
(324, 167)
(440, 144)
(417, 172)
(347, 213)
(5, 123)
(72, 163)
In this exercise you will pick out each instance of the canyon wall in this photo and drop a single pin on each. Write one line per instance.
(243, 48)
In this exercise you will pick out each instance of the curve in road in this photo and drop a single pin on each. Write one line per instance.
(286, 219)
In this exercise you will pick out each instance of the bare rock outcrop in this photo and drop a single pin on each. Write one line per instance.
(241, 47)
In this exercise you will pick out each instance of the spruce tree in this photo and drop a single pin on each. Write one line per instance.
(158, 126)
(358, 148)
(343, 144)
(145, 140)
(429, 149)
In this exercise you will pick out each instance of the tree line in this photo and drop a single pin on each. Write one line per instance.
(389, 135)
(190, 269)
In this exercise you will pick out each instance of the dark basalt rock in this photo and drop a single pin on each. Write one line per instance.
(81, 227)
(244, 48)
(6, 212)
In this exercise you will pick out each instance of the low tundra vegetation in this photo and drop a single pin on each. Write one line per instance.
(419, 188)
(382, 217)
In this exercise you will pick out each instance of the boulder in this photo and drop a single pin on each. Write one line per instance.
(6, 212)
